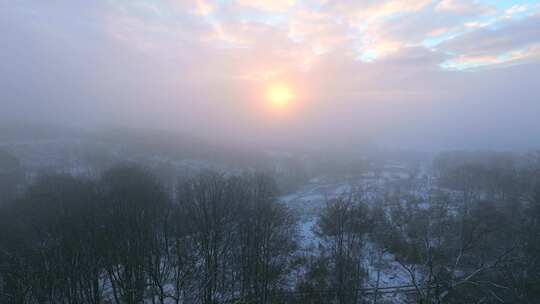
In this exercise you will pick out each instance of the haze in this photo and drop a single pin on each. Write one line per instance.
(418, 74)
(269, 151)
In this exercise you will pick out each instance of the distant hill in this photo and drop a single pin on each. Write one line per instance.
(170, 144)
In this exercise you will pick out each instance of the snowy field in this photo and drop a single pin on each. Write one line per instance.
(383, 271)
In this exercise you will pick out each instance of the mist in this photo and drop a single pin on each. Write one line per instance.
(269, 151)
(165, 65)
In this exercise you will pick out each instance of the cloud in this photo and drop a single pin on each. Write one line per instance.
(463, 7)
(374, 66)
(204, 8)
(530, 53)
(303, 31)
(507, 36)
(357, 12)
(511, 41)
(268, 5)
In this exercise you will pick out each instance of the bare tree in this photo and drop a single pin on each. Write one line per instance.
(211, 222)
(342, 226)
(133, 205)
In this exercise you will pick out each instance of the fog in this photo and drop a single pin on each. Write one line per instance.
(269, 151)
(422, 75)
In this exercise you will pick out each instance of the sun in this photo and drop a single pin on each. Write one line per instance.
(280, 95)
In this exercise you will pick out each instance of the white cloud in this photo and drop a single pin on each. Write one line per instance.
(463, 7)
(268, 5)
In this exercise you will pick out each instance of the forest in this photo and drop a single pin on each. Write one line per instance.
(227, 238)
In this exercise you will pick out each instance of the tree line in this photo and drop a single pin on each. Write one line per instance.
(123, 238)
(218, 238)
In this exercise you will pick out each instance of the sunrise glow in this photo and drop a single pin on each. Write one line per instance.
(280, 96)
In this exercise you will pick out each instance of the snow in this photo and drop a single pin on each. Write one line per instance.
(68, 156)
(373, 187)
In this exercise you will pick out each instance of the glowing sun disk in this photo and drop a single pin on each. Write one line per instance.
(280, 95)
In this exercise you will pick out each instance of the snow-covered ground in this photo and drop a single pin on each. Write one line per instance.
(382, 268)
(78, 157)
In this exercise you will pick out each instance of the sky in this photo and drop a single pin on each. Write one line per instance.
(415, 74)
